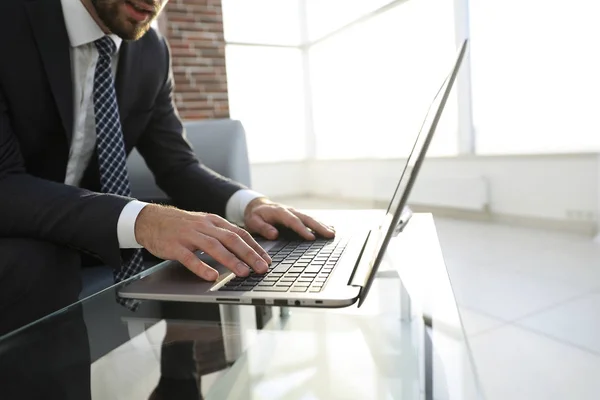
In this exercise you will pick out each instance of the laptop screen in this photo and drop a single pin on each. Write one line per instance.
(378, 240)
(412, 157)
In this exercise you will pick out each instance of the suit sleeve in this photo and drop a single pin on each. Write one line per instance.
(178, 172)
(31, 207)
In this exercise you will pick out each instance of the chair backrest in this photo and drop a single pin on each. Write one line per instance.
(219, 144)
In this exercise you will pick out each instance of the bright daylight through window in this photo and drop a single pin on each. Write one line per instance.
(351, 79)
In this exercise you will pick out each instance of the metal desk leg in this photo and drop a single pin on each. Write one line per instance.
(232, 336)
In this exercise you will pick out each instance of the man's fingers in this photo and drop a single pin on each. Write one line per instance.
(293, 222)
(194, 264)
(315, 225)
(263, 228)
(216, 250)
(246, 237)
(242, 250)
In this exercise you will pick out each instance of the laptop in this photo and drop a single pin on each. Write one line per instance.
(321, 273)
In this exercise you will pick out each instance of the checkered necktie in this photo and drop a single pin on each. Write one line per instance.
(110, 145)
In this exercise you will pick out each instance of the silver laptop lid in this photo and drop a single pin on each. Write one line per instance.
(396, 214)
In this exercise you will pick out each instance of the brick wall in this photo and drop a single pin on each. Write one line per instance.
(194, 29)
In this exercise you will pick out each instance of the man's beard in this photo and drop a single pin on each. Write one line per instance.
(110, 15)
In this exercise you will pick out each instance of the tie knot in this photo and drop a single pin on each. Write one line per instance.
(106, 46)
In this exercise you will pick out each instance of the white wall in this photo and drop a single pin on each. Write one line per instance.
(559, 188)
(281, 179)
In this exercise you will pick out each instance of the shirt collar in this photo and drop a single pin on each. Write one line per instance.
(81, 27)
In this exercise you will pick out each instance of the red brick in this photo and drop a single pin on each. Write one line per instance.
(195, 34)
(197, 114)
(184, 52)
(179, 44)
(194, 61)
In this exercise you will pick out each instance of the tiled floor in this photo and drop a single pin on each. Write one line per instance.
(530, 303)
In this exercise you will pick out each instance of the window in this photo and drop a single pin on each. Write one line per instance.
(326, 16)
(372, 83)
(265, 78)
(274, 22)
(266, 94)
(535, 90)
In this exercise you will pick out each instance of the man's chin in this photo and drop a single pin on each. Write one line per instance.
(130, 31)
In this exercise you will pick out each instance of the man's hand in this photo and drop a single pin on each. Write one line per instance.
(261, 214)
(173, 234)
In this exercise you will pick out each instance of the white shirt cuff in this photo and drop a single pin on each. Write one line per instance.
(126, 224)
(237, 203)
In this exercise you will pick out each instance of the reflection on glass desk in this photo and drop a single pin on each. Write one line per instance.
(405, 342)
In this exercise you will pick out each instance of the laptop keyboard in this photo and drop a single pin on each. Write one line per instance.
(298, 266)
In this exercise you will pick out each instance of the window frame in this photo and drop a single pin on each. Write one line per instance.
(466, 135)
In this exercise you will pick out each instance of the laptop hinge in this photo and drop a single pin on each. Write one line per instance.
(359, 259)
(363, 266)
(404, 218)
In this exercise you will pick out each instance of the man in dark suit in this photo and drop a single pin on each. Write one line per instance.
(83, 82)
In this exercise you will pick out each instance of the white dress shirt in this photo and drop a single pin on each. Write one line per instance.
(83, 31)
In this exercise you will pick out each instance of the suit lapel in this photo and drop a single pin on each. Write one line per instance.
(125, 79)
(48, 25)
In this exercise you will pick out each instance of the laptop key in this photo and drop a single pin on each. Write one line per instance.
(282, 268)
(242, 288)
(298, 289)
(302, 284)
(228, 287)
(284, 284)
(312, 269)
(314, 290)
(270, 289)
(266, 284)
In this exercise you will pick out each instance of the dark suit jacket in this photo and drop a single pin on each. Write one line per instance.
(36, 125)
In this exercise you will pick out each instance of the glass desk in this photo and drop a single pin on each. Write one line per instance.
(405, 342)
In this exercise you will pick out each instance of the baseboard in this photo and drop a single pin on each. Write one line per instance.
(586, 228)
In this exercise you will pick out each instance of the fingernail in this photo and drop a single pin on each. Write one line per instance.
(243, 269)
(261, 265)
(211, 275)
